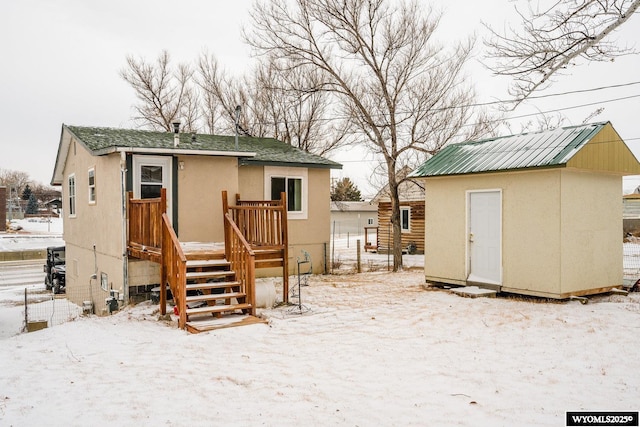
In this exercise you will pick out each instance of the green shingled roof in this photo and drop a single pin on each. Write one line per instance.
(267, 151)
(528, 150)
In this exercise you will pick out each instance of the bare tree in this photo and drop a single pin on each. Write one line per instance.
(16, 181)
(403, 93)
(165, 93)
(549, 39)
(278, 102)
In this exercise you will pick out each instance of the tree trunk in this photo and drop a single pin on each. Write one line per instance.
(395, 220)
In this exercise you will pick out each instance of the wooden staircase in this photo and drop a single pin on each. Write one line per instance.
(210, 288)
(211, 292)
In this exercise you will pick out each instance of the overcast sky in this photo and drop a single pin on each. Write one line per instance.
(61, 63)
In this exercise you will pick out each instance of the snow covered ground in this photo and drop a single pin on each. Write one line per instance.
(371, 349)
(34, 233)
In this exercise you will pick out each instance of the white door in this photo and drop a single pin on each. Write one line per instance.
(484, 241)
(150, 174)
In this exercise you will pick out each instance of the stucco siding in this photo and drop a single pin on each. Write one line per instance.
(531, 230)
(81, 285)
(313, 233)
(445, 233)
(591, 224)
(251, 183)
(96, 225)
(201, 181)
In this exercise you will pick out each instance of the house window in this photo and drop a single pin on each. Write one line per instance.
(370, 221)
(92, 186)
(150, 181)
(72, 195)
(291, 186)
(405, 219)
(292, 181)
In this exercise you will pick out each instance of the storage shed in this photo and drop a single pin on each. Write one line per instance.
(536, 214)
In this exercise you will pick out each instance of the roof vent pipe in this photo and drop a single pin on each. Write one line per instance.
(176, 132)
(238, 110)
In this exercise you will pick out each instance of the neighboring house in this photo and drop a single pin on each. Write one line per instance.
(353, 217)
(98, 167)
(536, 213)
(54, 205)
(631, 212)
(411, 194)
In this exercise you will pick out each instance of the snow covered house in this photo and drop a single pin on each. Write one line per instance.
(135, 203)
(537, 213)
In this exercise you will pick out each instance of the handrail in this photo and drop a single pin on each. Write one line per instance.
(242, 260)
(264, 224)
(145, 218)
(173, 271)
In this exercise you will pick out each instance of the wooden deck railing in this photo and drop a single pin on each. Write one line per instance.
(263, 223)
(173, 272)
(242, 260)
(145, 223)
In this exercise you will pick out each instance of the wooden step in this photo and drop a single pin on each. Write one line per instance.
(207, 263)
(214, 297)
(211, 285)
(193, 275)
(217, 309)
(210, 323)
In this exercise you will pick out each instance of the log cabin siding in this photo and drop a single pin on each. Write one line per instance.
(414, 236)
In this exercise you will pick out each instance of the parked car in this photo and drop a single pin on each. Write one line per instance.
(55, 269)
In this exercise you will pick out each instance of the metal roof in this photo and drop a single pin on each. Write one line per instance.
(528, 150)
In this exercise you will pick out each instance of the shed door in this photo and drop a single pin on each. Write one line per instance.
(485, 237)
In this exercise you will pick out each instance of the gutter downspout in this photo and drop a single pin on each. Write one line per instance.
(125, 260)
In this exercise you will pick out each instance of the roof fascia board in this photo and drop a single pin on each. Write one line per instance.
(250, 162)
(143, 150)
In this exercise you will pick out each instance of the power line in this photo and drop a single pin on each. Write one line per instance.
(571, 92)
(503, 101)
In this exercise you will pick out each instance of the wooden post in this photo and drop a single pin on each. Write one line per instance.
(358, 256)
(285, 243)
(227, 237)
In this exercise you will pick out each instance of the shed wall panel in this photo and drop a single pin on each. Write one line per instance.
(591, 223)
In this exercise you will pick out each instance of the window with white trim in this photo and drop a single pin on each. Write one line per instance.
(405, 219)
(293, 182)
(71, 184)
(92, 186)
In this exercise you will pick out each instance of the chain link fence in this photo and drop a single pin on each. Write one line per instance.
(347, 254)
(631, 262)
(43, 309)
